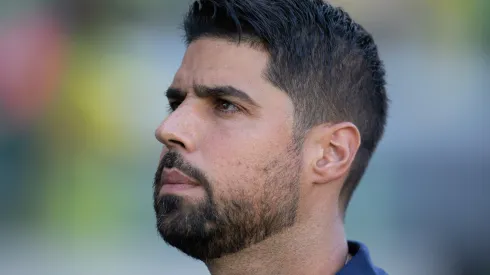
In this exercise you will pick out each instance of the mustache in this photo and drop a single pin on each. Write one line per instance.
(173, 159)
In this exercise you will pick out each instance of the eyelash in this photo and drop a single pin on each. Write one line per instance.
(216, 105)
(172, 106)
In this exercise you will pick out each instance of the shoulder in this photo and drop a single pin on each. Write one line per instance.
(379, 271)
(360, 263)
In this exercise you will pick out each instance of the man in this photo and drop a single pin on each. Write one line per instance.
(275, 112)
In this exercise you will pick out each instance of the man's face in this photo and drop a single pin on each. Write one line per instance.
(229, 174)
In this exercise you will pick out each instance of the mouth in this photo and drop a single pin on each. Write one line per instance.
(175, 181)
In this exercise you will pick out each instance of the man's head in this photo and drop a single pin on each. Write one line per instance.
(276, 110)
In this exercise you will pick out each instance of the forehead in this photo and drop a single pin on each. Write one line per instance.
(218, 62)
(214, 61)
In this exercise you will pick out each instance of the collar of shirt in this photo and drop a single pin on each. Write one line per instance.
(360, 263)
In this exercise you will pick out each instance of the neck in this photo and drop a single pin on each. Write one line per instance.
(316, 248)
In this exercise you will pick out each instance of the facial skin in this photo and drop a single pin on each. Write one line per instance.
(254, 185)
(239, 149)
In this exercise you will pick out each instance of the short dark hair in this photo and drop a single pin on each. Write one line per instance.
(328, 64)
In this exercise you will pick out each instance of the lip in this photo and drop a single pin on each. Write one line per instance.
(175, 180)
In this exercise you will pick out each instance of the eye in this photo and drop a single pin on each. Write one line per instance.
(225, 106)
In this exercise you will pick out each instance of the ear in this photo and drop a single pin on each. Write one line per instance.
(336, 146)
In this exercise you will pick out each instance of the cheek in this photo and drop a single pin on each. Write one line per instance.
(247, 139)
(238, 160)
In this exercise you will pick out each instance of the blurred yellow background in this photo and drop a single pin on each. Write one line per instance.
(82, 89)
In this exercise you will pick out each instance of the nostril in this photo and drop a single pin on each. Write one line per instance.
(176, 142)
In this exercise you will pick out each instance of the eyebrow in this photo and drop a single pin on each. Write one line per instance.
(215, 91)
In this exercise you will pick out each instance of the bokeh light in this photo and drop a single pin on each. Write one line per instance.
(82, 89)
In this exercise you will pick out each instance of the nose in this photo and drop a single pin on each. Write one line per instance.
(178, 131)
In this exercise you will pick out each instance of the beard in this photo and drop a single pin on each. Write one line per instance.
(216, 226)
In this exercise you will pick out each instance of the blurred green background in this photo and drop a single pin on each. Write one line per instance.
(82, 89)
